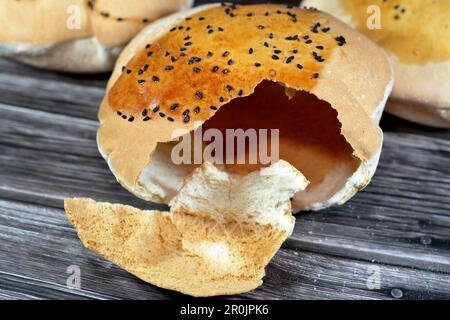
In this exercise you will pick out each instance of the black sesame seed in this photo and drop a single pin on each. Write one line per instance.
(295, 51)
(320, 47)
(187, 38)
(250, 51)
(170, 119)
(140, 72)
(226, 54)
(146, 119)
(230, 62)
(128, 71)
(315, 27)
(326, 29)
(168, 68)
(194, 60)
(270, 35)
(174, 106)
(261, 27)
(308, 41)
(201, 18)
(289, 60)
(197, 109)
(249, 14)
(196, 70)
(210, 31)
(318, 57)
(119, 113)
(315, 76)
(146, 66)
(155, 78)
(221, 99)
(257, 64)
(144, 112)
(186, 118)
(215, 69)
(210, 54)
(149, 54)
(185, 112)
(162, 115)
(199, 95)
(299, 66)
(229, 88)
(156, 109)
(266, 44)
(292, 38)
(341, 41)
(124, 117)
(240, 93)
(131, 119)
(173, 29)
(275, 57)
(220, 29)
(145, 20)
(188, 28)
(173, 59)
(147, 46)
(188, 44)
(225, 71)
(140, 81)
(277, 51)
(213, 107)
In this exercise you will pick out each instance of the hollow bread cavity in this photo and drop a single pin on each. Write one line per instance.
(310, 139)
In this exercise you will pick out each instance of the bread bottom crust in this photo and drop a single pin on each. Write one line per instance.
(75, 56)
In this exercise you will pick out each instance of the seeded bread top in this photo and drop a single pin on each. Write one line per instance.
(179, 71)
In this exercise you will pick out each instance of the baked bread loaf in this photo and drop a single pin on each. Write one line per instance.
(81, 36)
(323, 84)
(416, 36)
(218, 237)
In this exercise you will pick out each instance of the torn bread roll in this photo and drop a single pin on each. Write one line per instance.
(81, 36)
(321, 83)
(218, 237)
(416, 36)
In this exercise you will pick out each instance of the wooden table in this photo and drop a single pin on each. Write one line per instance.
(397, 230)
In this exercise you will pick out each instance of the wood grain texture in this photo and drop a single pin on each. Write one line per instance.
(399, 224)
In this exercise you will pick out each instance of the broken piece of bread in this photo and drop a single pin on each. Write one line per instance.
(219, 235)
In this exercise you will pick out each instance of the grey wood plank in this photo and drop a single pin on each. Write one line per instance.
(50, 94)
(39, 245)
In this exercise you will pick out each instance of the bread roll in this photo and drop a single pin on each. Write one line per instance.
(416, 36)
(82, 36)
(216, 240)
(323, 84)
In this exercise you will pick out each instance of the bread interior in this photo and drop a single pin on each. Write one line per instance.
(310, 139)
